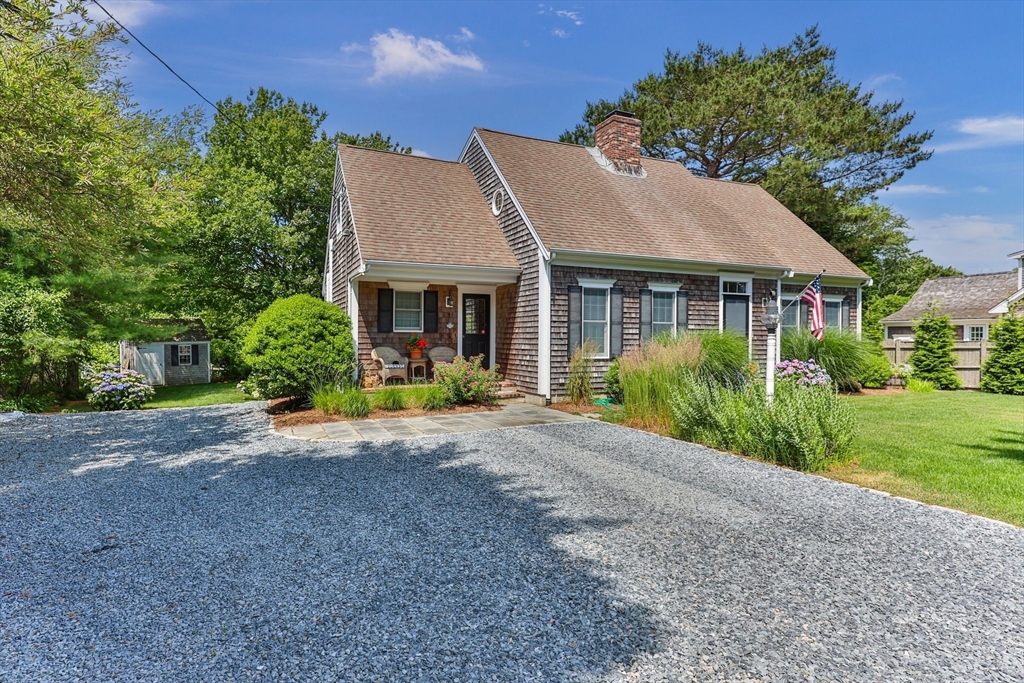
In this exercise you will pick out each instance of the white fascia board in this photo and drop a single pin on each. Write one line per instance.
(543, 326)
(351, 211)
(545, 254)
(1004, 305)
(595, 259)
(385, 271)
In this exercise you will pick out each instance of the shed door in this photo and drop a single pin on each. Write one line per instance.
(150, 362)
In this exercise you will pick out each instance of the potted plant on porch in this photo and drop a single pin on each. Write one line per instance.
(416, 344)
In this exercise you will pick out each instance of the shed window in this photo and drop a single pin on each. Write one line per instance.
(595, 318)
(834, 314)
(975, 333)
(408, 311)
(184, 354)
(664, 312)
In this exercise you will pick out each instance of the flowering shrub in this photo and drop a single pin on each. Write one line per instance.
(416, 342)
(802, 373)
(466, 381)
(113, 389)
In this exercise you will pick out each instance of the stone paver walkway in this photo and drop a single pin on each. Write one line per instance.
(515, 415)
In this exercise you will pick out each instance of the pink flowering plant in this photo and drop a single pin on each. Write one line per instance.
(802, 373)
(467, 381)
(113, 389)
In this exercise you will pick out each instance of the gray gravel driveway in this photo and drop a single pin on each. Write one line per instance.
(193, 544)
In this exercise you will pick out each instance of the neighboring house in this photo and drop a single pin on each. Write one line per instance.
(524, 248)
(182, 359)
(973, 302)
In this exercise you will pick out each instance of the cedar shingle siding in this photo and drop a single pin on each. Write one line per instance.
(849, 295)
(346, 245)
(370, 338)
(196, 373)
(517, 328)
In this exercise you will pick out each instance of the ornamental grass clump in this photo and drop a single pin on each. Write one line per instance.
(840, 353)
(353, 403)
(390, 399)
(579, 388)
(113, 389)
(467, 381)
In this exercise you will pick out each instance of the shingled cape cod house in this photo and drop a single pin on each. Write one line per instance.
(973, 302)
(523, 248)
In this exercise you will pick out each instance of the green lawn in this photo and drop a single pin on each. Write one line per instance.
(959, 449)
(193, 395)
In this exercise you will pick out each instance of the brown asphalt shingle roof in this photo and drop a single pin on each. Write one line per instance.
(966, 297)
(419, 210)
(575, 204)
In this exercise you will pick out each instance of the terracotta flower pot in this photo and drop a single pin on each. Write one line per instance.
(416, 353)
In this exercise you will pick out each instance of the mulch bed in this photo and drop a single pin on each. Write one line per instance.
(875, 392)
(313, 416)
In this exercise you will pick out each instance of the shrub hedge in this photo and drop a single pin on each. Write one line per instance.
(1003, 371)
(933, 358)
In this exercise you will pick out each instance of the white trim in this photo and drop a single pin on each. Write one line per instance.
(387, 271)
(665, 289)
(408, 289)
(351, 212)
(724, 277)
(860, 314)
(408, 286)
(595, 282)
(586, 284)
(475, 135)
(353, 315)
(543, 325)
(329, 271)
(778, 330)
(1004, 305)
(664, 286)
(496, 205)
(187, 345)
(478, 289)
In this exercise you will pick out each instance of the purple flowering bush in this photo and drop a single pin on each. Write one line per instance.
(466, 381)
(114, 389)
(802, 373)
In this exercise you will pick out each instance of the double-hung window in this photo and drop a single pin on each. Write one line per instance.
(408, 311)
(974, 333)
(184, 354)
(595, 318)
(663, 314)
(736, 306)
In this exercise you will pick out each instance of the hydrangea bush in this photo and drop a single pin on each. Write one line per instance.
(802, 373)
(114, 389)
(466, 381)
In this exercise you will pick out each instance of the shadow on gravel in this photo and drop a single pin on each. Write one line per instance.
(235, 551)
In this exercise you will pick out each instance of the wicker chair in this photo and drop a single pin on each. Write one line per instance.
(440, 354)
(390, 364)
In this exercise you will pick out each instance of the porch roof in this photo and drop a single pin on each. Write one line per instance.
(411, 209)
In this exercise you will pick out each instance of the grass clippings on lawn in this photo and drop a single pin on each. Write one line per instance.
(312, 416)
(958, 449)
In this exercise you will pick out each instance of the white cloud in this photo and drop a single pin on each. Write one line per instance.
(981, 189)
(915, 189)
(974, 244)
(420, 153)
(559, 33)
(574, 17)
(131, 13)
(464, 35)
(995, 131)
(398, 54)
(876, 81)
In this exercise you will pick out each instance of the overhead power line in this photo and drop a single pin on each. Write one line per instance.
(176, 74)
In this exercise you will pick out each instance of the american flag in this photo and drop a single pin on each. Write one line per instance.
(812, 295)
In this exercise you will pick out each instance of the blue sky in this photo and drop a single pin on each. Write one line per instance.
(426, 73)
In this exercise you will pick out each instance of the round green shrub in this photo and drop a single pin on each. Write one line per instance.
(876, 371)
(612, 383)
(290, 343)
(1003, 371)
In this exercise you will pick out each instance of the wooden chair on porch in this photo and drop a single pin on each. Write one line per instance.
(390, 364)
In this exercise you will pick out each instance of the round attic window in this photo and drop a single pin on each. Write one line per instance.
(497, 201)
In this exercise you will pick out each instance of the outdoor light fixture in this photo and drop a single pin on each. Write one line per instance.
(771, 319)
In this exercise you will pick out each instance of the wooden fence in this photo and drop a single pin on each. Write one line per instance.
(970, 356)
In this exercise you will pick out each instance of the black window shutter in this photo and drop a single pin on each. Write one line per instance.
(616, 323)
(385, 310)
(174, 355)
(805, 315)
(646, 315)
(430, 310)
(682, 311)
(575, 317)
(195, 354)
(846, 314)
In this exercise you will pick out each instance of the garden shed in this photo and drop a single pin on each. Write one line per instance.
(183, 358)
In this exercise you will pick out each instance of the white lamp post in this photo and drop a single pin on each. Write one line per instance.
(771, 320)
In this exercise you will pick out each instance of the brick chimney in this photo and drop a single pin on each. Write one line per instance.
(618, 138)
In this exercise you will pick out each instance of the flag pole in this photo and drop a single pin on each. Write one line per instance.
(797, 297)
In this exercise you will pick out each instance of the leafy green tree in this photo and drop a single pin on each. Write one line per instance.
(84, 190)
(782, 118)
(933, 358)
(879, 308)
(1003, 370)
